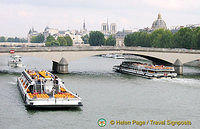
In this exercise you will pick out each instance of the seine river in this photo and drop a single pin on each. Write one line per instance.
(106, 94)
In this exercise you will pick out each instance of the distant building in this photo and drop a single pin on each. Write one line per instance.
(147, 29)
(175, 29)
(62, 33)
(193, 25)
(75, 35)
(77, 40)
(84, 26)
(159, 23)
(120, 35)
(50, 31)
(108, 30)
(113, 28)
(32, 33)
(104, 28)
(84, 31)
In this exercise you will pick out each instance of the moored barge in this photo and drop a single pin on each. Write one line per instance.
(146, 70)
(42, 89)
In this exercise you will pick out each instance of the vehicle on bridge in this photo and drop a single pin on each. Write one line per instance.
(146, 70)
(42, 89)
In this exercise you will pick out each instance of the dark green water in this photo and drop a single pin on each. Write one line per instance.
(107, 95)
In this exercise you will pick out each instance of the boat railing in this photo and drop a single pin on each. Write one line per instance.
(52, 98)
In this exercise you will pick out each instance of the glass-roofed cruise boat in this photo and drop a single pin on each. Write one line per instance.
(146, 70)
(42, 89)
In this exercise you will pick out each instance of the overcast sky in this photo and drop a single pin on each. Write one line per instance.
(18, 16)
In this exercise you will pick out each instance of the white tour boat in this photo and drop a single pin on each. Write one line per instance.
(118, 56)
(15, 61)
(146, 70)
(42, 89)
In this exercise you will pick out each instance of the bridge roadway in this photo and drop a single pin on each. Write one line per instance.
(71, 53)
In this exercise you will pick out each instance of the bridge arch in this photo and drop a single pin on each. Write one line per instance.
(154, 59)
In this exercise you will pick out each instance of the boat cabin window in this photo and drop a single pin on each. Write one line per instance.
(39, 88)
(30, 89)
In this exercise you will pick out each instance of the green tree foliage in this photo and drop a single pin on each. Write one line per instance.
(61, 41)
(23, 40)
(184, 38)
(69, 40)
(96, 38)
(85, 39)
(161, 38)
(37, 39)
(137, 39)
(197, 37)
(51, 41)
(111, 41)
(2, 39)
(11, 39)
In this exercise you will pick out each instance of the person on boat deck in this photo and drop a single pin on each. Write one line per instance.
(55, 80)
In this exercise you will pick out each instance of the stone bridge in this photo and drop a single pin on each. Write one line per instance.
(158, 55)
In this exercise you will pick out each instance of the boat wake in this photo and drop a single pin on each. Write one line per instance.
(182, 81)
(12, 83)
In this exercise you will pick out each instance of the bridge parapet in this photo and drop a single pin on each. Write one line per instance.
(97, 48)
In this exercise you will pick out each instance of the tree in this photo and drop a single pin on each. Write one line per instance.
(51, 41)
(161, 38)
(16, 39)
(62, 41)
(23, 40)
(197, 37)
(69, 40)
(96, 38)
(184, 38)
(85, 39)
(128, 40)
(111, 41)
(10, 39)
(37, 39)
(137, 39)
(142, 39)
(2, 39)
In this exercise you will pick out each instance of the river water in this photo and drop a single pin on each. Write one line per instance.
(105, 94)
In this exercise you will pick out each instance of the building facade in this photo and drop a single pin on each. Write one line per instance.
(159, 23)
(113, 28)
(108, 30)
(50, 31)
(120, 35)
(32, 33)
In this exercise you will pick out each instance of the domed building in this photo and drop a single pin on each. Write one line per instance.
(159, 23)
